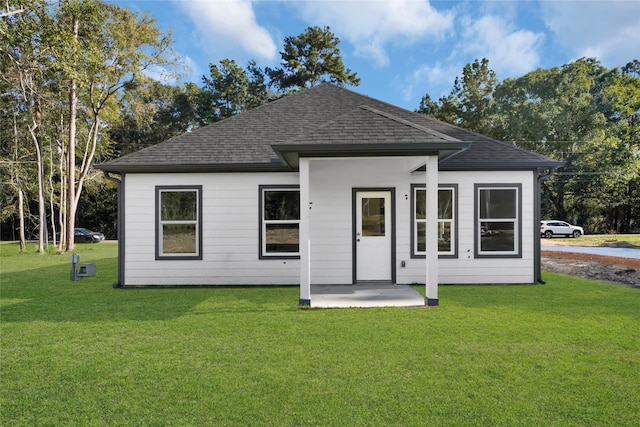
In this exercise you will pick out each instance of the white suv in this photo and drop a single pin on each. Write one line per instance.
(555, 227)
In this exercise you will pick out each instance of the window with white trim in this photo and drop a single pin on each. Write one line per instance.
(279, 222)
(179, 222)
(498, 220)
(447, 226)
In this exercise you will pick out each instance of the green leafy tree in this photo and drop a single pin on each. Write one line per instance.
(103, 48)
(580, 113)
(470, 103)
(26, 76)
(66, 65)
(310, 58)
(234, 90)
(153, 113)
(583, 114)
(618, 99)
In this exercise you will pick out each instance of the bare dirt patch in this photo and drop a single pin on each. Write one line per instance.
(623, 271)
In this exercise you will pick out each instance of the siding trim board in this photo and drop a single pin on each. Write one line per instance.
(120, 226)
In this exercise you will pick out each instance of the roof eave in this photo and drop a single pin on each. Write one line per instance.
(291, 153)
(194, 168)
(504, 166)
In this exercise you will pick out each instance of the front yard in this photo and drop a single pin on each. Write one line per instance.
(82, 353)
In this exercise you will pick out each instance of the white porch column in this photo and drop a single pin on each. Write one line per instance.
(305, 245)
(432, 231)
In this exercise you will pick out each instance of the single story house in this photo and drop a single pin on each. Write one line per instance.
(328, 186)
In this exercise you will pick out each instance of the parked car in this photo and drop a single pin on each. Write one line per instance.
(559, 228)
(85, 235)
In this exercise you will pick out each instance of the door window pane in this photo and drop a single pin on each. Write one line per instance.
(373, 216)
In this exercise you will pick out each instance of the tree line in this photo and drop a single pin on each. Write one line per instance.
(581, 113)
(76, 88)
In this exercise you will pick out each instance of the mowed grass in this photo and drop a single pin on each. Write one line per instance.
(83, 353)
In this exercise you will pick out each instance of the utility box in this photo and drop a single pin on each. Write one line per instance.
(86, 269)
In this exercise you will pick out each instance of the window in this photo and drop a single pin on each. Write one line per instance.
(279, 222)
(179, 222)
(447, 226)
(498, 222)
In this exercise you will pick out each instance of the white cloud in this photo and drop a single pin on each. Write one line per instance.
(607, 30)
(186, 70)
(192, 72)
(510, 51)
(228, 25)
(370, 26)
(435, 80)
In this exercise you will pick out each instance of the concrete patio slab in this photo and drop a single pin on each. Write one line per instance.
(365, 295)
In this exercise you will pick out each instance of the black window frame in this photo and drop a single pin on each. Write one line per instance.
(517, 252)
(262, 224)
(454, 228)
(198, 223)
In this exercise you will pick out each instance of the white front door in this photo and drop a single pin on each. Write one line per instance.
(373, 236)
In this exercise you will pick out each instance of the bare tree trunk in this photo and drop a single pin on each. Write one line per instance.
(71, 157)
(42, 211)
(63, 205)
(16, 178)
(23, 241)
(52, 213)
(63, 188)
(87, 159)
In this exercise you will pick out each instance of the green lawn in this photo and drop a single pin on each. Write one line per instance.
(83, 353)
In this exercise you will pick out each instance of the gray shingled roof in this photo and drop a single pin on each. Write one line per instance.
(323, 120)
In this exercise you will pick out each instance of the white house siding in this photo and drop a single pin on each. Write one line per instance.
(331, 184)
(230, 231)
(230, 252)
(466, 269)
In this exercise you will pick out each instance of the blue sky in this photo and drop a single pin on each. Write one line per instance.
(403, 49)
